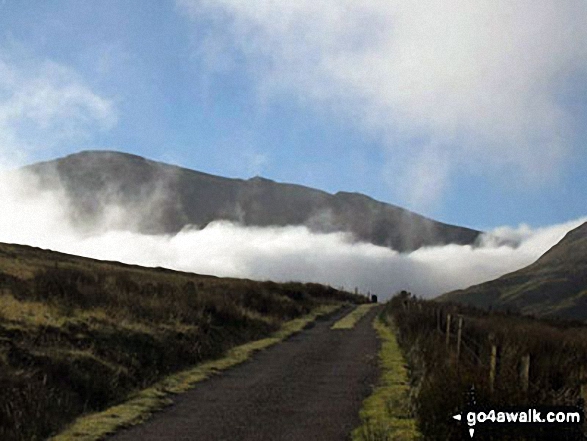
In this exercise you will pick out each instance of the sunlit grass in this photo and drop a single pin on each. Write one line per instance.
(385, 414)
(16, 267)
(142, 404)
(29, 312)
(80, 335)
(350, 320)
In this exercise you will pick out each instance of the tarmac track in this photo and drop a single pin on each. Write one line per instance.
(307, 388)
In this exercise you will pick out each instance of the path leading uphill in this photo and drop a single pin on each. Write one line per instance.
(309, 387)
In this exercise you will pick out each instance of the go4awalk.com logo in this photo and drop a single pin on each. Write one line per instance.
(552, 422)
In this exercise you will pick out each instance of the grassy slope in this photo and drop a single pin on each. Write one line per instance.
(78, 335)
(142, 404)
(554, 285)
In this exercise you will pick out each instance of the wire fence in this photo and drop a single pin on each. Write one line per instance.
(515, 356)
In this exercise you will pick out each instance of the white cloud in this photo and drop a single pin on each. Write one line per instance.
(34, 216)
(481, 82)
(44, 104)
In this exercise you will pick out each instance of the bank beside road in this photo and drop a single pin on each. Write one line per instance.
(386, 414)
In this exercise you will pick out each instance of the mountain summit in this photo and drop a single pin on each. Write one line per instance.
(166, 198)
(554, 285)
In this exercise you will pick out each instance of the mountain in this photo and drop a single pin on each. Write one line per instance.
(554, 285)
(166, 198)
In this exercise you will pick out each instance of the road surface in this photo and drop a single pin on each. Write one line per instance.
(309, 388)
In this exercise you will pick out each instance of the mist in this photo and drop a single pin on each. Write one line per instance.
(447, 87)
(38, 217)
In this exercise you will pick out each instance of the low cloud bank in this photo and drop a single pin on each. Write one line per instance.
(40, 218)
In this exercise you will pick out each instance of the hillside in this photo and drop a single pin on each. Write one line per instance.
(166, 198)
(554, 285)
(77, 334)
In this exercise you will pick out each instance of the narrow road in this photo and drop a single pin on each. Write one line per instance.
(307, 388)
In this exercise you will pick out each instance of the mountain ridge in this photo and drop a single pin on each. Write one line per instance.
(171, 197)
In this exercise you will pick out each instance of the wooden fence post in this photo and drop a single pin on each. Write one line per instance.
(492, 364)
(459, 335)
(447, 330)
(525, 373)
(582, 384)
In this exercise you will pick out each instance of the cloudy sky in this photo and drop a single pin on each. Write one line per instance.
(474, 113)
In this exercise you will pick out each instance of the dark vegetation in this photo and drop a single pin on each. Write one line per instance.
(442, 382)
(94, 180)
(77, 335)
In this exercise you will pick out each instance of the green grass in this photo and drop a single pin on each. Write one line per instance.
(385, 414)
(350, 320)
(138, 408)
(78, 336)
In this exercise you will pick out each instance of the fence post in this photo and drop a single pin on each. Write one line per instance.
(582, 384)
(525, 372)
(438, 319)
(459, 334)
(447, 330)
(492, 364)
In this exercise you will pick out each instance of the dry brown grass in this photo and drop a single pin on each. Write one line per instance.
(78, 335)
(442, 385)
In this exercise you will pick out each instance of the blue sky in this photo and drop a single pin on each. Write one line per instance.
(473, 115)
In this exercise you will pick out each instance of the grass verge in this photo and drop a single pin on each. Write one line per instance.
(385, 414)
(144, 403)
(350, 320)
(78, 335)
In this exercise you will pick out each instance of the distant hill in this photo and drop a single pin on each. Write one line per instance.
(166, 198)
(554, 285)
